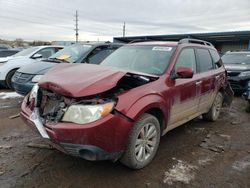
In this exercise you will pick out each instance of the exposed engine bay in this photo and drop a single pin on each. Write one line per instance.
(53, 105)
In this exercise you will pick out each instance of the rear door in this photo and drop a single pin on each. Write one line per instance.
(208, 79)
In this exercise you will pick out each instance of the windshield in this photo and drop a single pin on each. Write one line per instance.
(71, 53)
(145, 59)
(236, 58)
(26, 52)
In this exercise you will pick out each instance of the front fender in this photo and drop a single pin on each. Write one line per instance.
(146, 103)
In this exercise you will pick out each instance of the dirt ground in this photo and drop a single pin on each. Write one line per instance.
(197, 154)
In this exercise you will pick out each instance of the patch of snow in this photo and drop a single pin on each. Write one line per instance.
(181, 172)
(8, 95)
(204, 161)
(242, 165)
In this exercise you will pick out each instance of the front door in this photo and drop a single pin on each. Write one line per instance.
(184, 93)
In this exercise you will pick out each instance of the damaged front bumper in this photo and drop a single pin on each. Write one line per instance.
(104, 139)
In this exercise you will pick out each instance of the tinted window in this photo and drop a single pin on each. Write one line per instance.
(204, 59)
(99, 54)
(186, 59)
(7, 53)
(57, 49)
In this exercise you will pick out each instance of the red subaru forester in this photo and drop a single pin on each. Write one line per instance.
(121, 108)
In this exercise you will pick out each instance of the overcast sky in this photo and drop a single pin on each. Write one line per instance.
(103, 19)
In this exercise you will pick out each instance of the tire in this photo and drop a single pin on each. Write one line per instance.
(8, 79)
(214, 111)
(147, 147)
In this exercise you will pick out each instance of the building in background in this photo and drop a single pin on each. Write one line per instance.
(63, 43)
(223, 41)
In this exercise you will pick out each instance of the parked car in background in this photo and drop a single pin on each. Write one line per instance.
(237, 64)
(7, 53)
(92, 53)
(3, 47)
(120, 108)
(25, 57)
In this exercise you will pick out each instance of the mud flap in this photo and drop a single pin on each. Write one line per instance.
(228, 96)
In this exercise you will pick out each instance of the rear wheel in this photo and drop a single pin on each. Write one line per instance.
(214, 112)
(8, 79)
(143, 142)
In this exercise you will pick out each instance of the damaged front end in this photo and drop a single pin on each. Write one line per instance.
(89, 126)
(54, 107)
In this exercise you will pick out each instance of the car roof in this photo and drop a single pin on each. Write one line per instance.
(95, 44)
(45, 46)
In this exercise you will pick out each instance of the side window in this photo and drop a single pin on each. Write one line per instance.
(99, 54)
(204, 60)
(46, 52)
(57, 49)
(186, 59)
(216, 58)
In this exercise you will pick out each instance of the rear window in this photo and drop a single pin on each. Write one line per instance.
(204, 60)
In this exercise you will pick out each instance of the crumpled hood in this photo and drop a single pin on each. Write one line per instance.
(79, 80)
(39, 67)
(237, 67)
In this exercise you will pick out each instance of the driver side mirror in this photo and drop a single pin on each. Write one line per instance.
(184, 72)
(37, 56)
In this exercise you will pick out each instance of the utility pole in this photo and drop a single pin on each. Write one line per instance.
(124, 29)
(76, 26)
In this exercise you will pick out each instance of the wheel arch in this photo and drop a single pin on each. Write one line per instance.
(151, 104)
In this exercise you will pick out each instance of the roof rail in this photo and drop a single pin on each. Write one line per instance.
(196, 41)
(139, 40)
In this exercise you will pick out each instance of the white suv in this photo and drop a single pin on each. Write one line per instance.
(25, 57)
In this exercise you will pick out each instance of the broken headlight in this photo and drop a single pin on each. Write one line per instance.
(33, 93)
(82, 114)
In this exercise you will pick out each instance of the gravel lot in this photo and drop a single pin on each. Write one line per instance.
(197, 154)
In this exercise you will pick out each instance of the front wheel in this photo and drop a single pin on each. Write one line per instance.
(214, 112)
(8, 79)
(142, 143)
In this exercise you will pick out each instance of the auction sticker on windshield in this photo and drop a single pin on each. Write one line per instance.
(162, 48)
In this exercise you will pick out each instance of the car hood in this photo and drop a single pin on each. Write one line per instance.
(40, 67)
(3, 59)
(237, 67)
(79, 80)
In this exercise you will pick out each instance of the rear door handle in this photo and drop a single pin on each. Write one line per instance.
(198, 82)
(217, 77)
